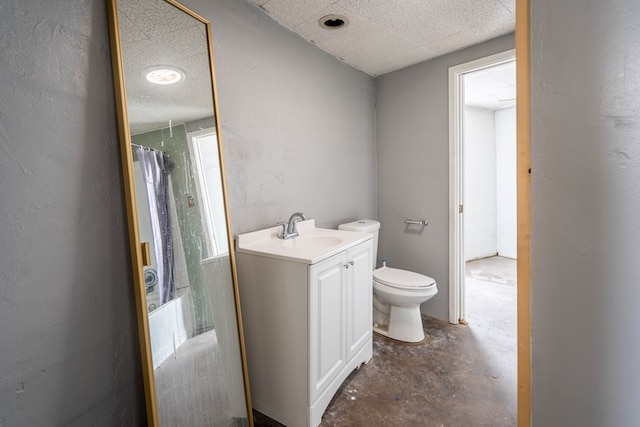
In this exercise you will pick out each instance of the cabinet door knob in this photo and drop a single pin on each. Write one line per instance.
(351, 262)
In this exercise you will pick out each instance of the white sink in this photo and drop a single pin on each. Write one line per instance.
(312, 245)
(312, 241)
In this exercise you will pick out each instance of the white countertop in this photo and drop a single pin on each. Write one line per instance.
(311, 246)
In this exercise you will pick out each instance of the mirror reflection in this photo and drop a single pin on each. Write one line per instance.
(189, 285)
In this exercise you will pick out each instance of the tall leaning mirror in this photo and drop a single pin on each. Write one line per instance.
(189, 320)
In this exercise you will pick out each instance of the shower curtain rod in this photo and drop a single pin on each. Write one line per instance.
(146, 148)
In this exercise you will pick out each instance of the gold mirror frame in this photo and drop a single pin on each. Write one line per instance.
(139, 251)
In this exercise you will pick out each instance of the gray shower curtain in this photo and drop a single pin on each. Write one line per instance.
(155, 171)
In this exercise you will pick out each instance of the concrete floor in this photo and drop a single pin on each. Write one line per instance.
(461, 375)
(492, 315)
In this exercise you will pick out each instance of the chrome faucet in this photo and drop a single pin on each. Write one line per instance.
(290, 230)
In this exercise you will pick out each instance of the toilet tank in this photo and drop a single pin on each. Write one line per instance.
(365, 226)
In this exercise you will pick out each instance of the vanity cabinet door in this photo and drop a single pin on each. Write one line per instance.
(327, 323)
(359, 298)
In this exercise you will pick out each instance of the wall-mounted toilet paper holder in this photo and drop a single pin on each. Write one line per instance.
(411, 221)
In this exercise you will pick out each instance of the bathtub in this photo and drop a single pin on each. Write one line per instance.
(170, 326)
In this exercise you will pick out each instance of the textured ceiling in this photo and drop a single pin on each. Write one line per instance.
(155, 33)
(492, 88)
(387, 35)
(382, 36)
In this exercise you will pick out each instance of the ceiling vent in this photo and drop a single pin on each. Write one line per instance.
(333, 22)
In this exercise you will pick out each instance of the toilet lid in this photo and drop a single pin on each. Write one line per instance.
(402, 278)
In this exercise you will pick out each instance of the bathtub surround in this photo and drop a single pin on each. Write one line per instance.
(174, 143)
(69, 339)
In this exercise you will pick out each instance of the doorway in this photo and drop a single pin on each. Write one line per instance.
(474, 172)
(489, 200)
(483, 198)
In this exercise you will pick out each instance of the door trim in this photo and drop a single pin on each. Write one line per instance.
(523, 120)
(457, 311)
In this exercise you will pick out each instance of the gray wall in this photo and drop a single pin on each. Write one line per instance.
(297, 124)
(298, 129)
(479, 160)
(69, 353)
(68, 339)
(412, 124)
(585, 198)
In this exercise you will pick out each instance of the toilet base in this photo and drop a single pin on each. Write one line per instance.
(405, 324)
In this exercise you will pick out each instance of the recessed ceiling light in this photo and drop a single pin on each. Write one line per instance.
(163, 75)
(333, 22)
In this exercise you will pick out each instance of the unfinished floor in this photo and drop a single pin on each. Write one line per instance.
(461, 375)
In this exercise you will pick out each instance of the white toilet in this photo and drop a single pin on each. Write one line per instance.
(397, 294)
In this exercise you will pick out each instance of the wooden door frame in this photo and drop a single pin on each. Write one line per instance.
(523, 119)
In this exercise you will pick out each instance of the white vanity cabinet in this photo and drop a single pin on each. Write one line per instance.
(339, 313)
(307, 326)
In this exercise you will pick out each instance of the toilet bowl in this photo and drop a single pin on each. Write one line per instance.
(397, 294)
